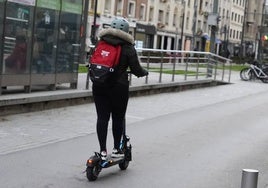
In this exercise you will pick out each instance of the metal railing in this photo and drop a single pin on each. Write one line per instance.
(176, 65)
(167, 66)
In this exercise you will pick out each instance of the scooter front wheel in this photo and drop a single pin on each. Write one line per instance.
(93, 172)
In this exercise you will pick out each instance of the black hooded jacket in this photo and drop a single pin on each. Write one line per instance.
(129, 57)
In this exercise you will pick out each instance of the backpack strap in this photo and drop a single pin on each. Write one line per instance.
(119, 49)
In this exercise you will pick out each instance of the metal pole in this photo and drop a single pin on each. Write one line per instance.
(212, 37)
(176, 40)
(83, 31)
(93, 29)
(213, 28)
(194, 25)
(182, 27)
(225, 42)
(260, 52)
(242, 45)
(249, 178)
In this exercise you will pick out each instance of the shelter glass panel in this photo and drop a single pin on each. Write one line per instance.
(17, 37)
(45, 36)
(69, 36)
(1, 30)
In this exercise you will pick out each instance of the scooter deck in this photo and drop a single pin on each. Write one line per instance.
(111, 161)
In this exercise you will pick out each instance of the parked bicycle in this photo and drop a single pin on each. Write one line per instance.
(256, 70)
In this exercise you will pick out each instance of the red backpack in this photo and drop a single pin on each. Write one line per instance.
(103, 62)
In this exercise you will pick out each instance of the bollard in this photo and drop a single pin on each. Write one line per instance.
(249, 178)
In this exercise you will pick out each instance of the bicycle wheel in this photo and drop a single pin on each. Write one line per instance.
(246, 74)
(265, 80)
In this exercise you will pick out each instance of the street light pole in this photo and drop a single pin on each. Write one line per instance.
(226, 54)
(260, 50)
(182, 27)
(213, 36)
(194, 25)
(242, 45)
(214, 28)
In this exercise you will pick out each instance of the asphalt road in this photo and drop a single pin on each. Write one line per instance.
(183, 141)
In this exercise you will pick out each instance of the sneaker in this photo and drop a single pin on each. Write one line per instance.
(103, 155)
(117, 153)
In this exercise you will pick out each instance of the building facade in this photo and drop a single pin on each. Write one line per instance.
(240, 25)
(183, 24)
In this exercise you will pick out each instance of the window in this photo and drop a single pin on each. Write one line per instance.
(151, 14)
(206, 6)
(119, 8)
(167, 18)
(92, 5)
(187, 23)
(107, 6)
(201, 6)
(142, 12)
(181, 21)
(160, 16)
(204, 27)
(131, 9)
(175, 17)
(235, 19)
(199, 24)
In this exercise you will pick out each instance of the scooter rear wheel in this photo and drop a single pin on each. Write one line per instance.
(92, 173)
(123, 165)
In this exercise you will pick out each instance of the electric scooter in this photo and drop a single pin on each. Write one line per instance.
(95, 164)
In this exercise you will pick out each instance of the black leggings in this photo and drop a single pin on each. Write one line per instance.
(110, 101)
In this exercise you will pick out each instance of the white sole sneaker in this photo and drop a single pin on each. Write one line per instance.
(117, 154)
(103, 156)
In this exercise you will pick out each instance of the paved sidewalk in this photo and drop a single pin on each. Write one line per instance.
(23, 131)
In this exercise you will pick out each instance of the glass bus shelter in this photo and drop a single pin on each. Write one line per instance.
(41, 42)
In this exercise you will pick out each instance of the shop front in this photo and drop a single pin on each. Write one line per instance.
(144, 35)
(41, 42)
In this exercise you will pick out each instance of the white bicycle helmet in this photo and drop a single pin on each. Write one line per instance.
(121, 24)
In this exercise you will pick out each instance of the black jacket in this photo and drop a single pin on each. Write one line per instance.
(129, 57)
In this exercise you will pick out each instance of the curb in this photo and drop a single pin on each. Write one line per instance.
(23, 103)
